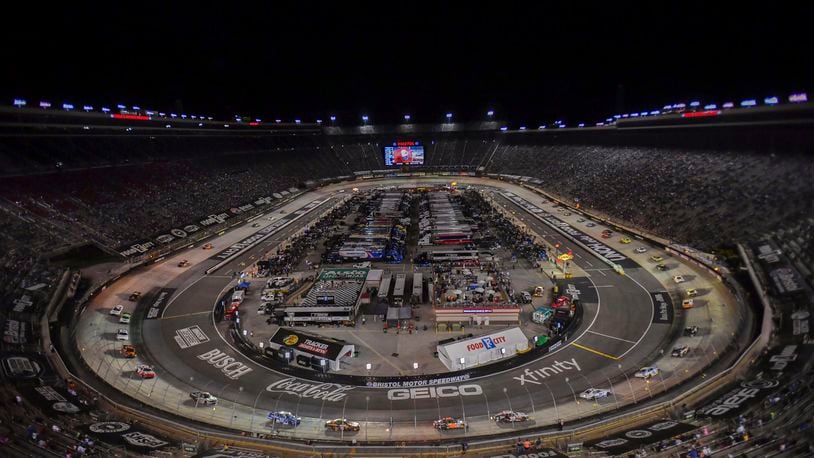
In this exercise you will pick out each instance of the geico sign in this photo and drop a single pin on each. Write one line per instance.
(427, 392)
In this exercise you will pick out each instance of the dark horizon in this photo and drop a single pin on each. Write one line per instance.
(531, 65)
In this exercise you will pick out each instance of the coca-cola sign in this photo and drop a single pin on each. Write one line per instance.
(326, 391)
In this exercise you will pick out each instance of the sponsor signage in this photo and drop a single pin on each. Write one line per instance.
(231, 452)
(190, 337)
(663, 307)
(16, 332)
(423, 382)
(22, 366)
(487, 343)
(734, 400)
(537, 376)
(539, 453)
(52, 399)
(779, 361)
(448, 391)
(632, 439)
(121, 433)
(307, 343)
(228, 365)
(323, 391)
(159, 302)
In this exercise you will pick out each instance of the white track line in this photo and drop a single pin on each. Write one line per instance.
(612, 337)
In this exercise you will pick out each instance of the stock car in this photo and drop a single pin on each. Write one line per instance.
(117, 310)
(342, 424)
(125, 318)
(134, 296)
(640, 249)
(145, 371)
(123, 334)
(687, 304)
(678, 279)
(509, 416)
(680, 352)
(284, 418)
(590, 224)
(183, 263)
(207, 246)
(594, 393)
(647, 372)
(692, 292)
(203, 398)
(656, 258)
(128, 351)
(691, 331)
(449, 423)
(661, 266)
(625, 240)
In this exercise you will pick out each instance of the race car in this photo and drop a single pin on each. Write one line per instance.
(203, 398)
(647, 372)
(678, 279)
(691, 331)
(640, 249)
(145, 371)
(122, 334)
(661, 266)
(680, 352)
(125, 318)
(284, 418)
(656, 258)
(692, 292)
(128, 351)
(134, 296)
(448, 423)
(594, 393)
(117, 310)
(590, 224)
(625, 240)
(580, 220)
(207, 246)
(687, 304)
(509, 416)
(342, 424)
(183, 263)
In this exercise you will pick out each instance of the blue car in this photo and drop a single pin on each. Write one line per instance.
(284, 418)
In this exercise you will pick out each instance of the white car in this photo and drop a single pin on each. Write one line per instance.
(678, 279)
(594, 393)
(123, 334)
(117, 310)
(203, 398)
(640, 249)
(125, 318)
(362, 265)
(647, 372)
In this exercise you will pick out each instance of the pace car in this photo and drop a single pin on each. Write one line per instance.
(448, 423)
(509, 416)
(594, 393)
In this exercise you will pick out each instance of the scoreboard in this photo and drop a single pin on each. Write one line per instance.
(404, 153)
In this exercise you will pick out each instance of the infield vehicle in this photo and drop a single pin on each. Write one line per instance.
(134, 296)
(128, 351)
(691, 331)
(125, 318)
(449, 423)
(203, 398)
(123, 334)
(625, 240)
(594, 393)
(656, 258)
(647, 372)
(510, 416)
(687, 304)
(117, 310)
(284, 418)
(680, 352)
(145, 371)
(342, 424)
(183, 263)
(640, 249)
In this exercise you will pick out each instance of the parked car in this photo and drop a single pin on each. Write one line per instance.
(117, 310)
(594, 393)
(647, 372)
(449, 423)
(203, 398)
(680, 352)
(284, 418)
(342, 424)
(510, 416)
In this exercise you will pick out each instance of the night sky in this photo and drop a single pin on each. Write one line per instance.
(531, 64)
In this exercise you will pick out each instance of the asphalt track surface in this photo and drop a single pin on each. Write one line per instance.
(618, 328)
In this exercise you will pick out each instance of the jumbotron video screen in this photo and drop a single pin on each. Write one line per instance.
(404, 153)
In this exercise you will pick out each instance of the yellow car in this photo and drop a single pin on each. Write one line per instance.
(656, 258)
(692, 292)
(207, 246)
(625, 240)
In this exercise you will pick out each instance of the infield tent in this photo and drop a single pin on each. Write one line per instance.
(481, 350)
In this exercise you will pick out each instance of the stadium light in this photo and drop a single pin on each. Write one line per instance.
(695, 103)
(173, 115)
(634, 115)
(183, 116)
(364, 119)
(748, 103)
(319, 121)
(711, 106)
(582, 124)
(406, 117)
(522, 127)
(45, 104)
(643, 113)
(19, 102)
(415, 365)
(504, 129)
(541, 127)
(297, 121)
(770, 101)
(87, 107)
(490, 113)
(617, 116)
(163, 115)
(105, 110)
(194, 117)
(728, 105)
(136, 108)
(449, 116)
(798, 98)
(67, 106)
(278, 121)
(121, 107)
(655, 112)
(150, 112)
(333, 118)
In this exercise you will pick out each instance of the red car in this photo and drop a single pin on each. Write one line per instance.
(145, 371)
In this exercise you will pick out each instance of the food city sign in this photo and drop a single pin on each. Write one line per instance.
(486, 343)
(326, 391)
(534, 376)
(428, 392)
